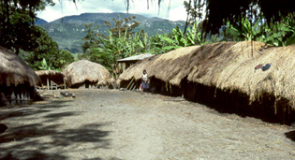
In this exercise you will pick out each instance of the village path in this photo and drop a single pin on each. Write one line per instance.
(114, 125)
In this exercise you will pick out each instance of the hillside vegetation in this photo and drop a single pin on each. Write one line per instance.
(69, 31)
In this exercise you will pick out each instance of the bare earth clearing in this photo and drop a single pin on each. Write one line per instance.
(114, 125)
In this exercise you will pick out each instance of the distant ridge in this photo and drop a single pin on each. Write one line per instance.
(39, 21)
(69, 30)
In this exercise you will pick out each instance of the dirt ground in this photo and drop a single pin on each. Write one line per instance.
(124, 125)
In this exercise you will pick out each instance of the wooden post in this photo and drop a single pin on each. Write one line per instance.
(134, 88)
(47, 84)
(22, 97)
(65, 85)
(130, 83)
(131, 86)
(28, 96)
(12, 97)
(25, 96)
(18, 97)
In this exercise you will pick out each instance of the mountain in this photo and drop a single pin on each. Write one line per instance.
(68, 31)
(39, 21)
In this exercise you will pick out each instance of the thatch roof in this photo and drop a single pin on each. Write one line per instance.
(108, 82)
(56, 76)
(228, 66)
(83, 70)
(14, 71)
(48, 73)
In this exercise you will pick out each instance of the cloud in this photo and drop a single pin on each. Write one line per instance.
(66, 8)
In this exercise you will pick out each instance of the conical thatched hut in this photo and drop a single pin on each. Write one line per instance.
(17, 79)
(239, 76)
(51, 79)
(85, 73)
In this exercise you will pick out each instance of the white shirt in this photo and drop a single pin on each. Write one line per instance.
(144, 77)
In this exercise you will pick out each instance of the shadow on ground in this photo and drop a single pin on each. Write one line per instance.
(41, 140)
(27, 110)
(290, 135)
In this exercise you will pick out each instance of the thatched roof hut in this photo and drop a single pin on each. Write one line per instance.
(50, 77)
(85, 72)
(214, 64)
(227, 66)
(17, 79)
(14, 71)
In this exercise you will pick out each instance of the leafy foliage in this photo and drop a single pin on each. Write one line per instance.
(220, 11)
(274, 34)
(122, 26)
(282, 33)
(177, 39)
(17, 30)
(47, 50)
(194, 10)
(69, 32)
(44, 65)
(90, 40)
(244, 30)
(120, 41)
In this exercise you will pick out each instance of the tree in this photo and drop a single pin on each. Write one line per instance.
(47, 49)
(120, 41)
(65, 58)
(275, 33)
(219, 10)
(194, 11)
(90, 40)
(137, 43)
(232, 10)
(177, 39)
(244, 30)
(17, 30)
(122, 26)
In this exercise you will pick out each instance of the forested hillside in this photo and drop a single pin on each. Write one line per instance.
(68, 31)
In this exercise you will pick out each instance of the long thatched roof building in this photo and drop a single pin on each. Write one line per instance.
(252, 70)
(84, 72)
(17, 79)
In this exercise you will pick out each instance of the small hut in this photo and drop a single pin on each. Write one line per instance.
(17, 79)
(84, 73)
(127, 62)
(51, 79)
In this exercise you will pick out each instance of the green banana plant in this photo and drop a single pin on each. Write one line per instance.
(274, 34)
(44, 65)
(288, 27)
(244, 30)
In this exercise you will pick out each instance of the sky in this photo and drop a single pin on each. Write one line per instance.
(67, 7)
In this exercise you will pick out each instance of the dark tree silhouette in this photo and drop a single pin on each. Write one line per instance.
(219, 10)
(17, 30)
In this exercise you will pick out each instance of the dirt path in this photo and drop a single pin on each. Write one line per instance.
(114, 125)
